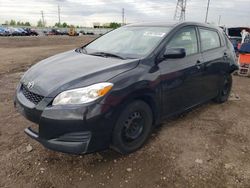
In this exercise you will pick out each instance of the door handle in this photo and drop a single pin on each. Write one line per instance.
(198, 64)
(225, 56)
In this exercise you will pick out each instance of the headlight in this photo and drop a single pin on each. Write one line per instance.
(83, 95)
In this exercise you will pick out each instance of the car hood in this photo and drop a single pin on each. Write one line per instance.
(70, 70)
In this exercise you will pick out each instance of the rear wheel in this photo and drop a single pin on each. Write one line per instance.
(132, 128)
(225, 89)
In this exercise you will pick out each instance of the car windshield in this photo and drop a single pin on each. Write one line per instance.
(128, 41)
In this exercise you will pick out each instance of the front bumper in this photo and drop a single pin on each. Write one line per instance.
(69, 143)
(70, 129)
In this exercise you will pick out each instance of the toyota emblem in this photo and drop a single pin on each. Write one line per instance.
(30, 85)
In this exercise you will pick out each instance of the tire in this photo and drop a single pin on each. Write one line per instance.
(133, 127)
(224, 91)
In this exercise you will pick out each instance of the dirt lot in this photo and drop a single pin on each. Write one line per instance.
(208, 147)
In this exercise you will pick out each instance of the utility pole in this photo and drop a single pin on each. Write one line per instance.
(43, 19)
(208, 3)
(59, 15)
(123, 16)
(180, 11)
(219, 20)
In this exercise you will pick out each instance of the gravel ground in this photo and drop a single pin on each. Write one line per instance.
(207, 147)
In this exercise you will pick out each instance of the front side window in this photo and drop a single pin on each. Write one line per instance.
(185, 38)
(209, 39)
(129, 41)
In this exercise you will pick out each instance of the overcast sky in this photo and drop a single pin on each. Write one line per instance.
(85, 12)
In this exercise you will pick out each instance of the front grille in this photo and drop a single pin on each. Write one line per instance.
(34, 98)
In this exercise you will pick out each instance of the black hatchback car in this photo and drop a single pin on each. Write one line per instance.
(112, 92)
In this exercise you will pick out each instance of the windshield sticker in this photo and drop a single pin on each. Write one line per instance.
(154, 34)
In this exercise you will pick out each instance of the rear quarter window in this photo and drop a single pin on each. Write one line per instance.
(209, 39)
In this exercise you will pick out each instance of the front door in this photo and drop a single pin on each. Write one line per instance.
(182, 79)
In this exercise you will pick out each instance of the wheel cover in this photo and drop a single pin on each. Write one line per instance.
(133, 127)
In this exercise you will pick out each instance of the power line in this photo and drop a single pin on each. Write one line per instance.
(219, 20)
(208, 3)
(180, 11)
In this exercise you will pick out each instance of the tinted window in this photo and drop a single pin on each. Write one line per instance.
(185, 38)
(234, 32)
(209, 39)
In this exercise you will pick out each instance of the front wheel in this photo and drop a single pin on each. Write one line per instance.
(225, 89)
(132, 128)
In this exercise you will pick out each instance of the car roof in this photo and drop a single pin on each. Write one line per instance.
(170, 24)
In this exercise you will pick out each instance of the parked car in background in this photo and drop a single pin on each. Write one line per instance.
(23, 32)
(4, 32)
(112, 92)
(54, 32)
(65, 31)
(82, 32)
(31, 32)
(14, 31)
(234, 35)
(90, 33)
(244, 57)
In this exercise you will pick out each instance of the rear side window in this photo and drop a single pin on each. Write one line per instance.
(209, 39)
(185, 38)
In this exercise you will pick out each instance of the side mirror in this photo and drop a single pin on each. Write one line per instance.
(174, 53)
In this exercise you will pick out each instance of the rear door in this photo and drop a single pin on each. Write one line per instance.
(182, 79)
(215, 56)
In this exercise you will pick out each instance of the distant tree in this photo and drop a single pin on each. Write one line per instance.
(58, 24)
(19, 23)
(40, 23)
(64, 24)
(12, 22)
(114, 25)
(27, 24)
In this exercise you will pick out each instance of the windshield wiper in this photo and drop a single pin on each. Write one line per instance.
(81, 50)
(106, 54)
